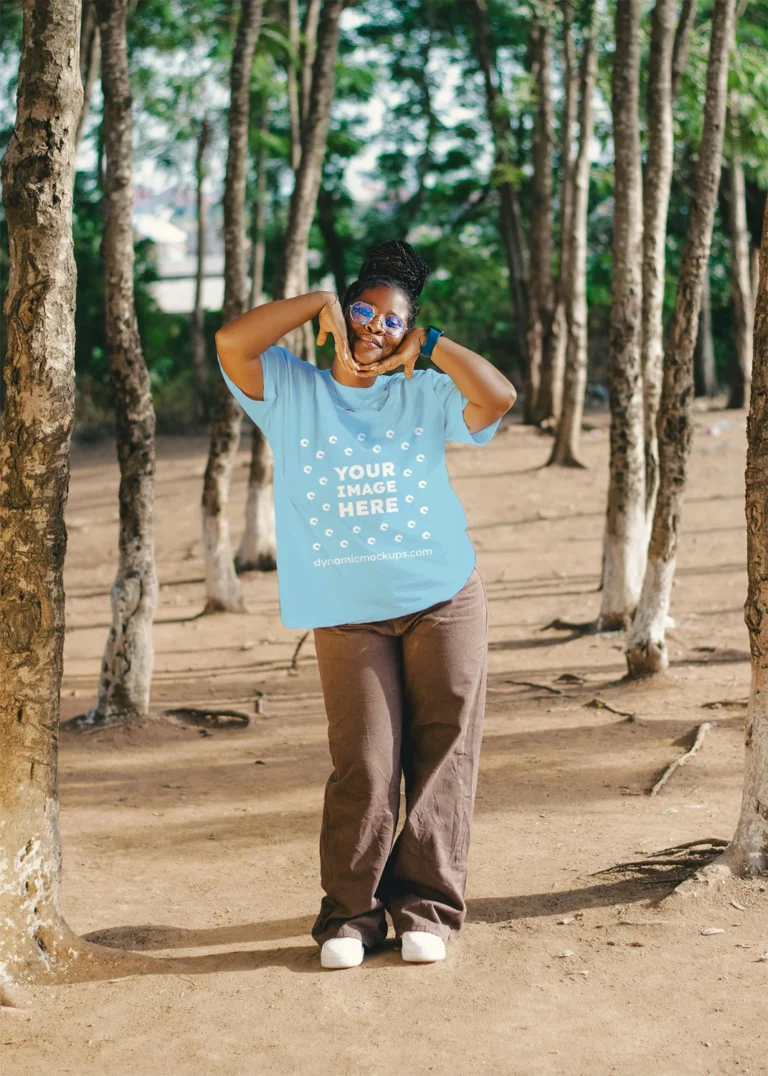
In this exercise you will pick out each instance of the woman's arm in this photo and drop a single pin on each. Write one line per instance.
(489, 393)
(241, 341)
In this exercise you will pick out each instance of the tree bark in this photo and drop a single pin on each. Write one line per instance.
(37, 178)
(302, 341)
(223, 589)
(128, 661)
(705, 381)
(199, 354)
(326, 218)
(656, 191)
(741, 288)
(90, 53)
(293, 89)
(625, 531)
(557, 340)
(259, 210)
(307, 52)
(682, 42)
(646, 649)
(747, 853)
(539, 393)
(566, 448)
(511, 225)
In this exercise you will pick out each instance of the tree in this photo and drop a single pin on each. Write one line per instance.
(646, 649)
(573, 284)
(510, 222)
(668, 51)
(199, 350)
(705, 382)
(556, 343)
(223, 590)
(128, 661)
(741, 286)
(257, 548)
(34, 478)
(747, 852)
(625, 530)
(90, 53)
(541, 307)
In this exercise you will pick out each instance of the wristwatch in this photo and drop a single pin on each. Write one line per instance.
(433, 335)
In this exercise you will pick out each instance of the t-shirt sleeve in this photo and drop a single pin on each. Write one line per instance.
(453, 403)
(278, 370)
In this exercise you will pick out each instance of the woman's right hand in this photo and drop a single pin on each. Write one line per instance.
(332, 321)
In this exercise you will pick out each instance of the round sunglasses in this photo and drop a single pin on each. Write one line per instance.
(362, 313)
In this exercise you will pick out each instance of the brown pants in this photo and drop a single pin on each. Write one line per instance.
(405, 694)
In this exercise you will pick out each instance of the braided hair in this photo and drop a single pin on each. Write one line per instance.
(396, 265)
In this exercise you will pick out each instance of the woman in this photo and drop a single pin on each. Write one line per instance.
(373, 555)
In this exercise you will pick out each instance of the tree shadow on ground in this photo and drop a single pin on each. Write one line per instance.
(539, 905)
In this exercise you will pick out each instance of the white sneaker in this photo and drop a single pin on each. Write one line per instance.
(421, 947)
(341, 953)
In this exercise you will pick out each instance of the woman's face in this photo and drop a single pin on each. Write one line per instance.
(370, 343)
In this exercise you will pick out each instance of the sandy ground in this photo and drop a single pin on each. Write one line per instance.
(203, 848)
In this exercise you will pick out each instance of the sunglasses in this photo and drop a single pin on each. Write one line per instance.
(362, 313)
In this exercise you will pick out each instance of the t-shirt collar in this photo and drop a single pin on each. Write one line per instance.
(358, 397)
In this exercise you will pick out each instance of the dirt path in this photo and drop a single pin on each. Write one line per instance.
(203, 848)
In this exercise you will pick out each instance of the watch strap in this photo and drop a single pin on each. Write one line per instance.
(433, 335)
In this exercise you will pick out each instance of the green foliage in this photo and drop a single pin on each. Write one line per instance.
(410, 103)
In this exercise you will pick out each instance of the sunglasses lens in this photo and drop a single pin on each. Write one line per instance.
(361, 313)
(393, 326)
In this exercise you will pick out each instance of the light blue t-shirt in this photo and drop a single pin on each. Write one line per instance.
(367, 523)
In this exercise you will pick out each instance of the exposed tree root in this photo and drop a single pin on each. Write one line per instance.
(671, 866)
(212, 719)
(599, 704)
(541, 687)
(588, 627)
(184, 715)
(293, 667)
(720, 703)
(681, 760)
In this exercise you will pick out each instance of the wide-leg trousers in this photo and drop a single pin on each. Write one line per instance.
(402, 696)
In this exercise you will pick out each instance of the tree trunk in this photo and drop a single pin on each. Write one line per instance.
(656, 190)
(511, 225)
(741, 288)
(302, 340)
(223, 589)
(557, 340)
(259, 210)
(34, 479)
(293, 89)
(292, 277)
(747, 853)
(334, 247)
(199, 355)
(307, 52)
(682, 41)
(625, 530)
(705, 381)
(566, 449)
(128, 661)
(646, 645)
(538, 396)
(257, 551)
(90, 53)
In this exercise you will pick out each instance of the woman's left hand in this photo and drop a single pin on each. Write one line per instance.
(406, 354)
